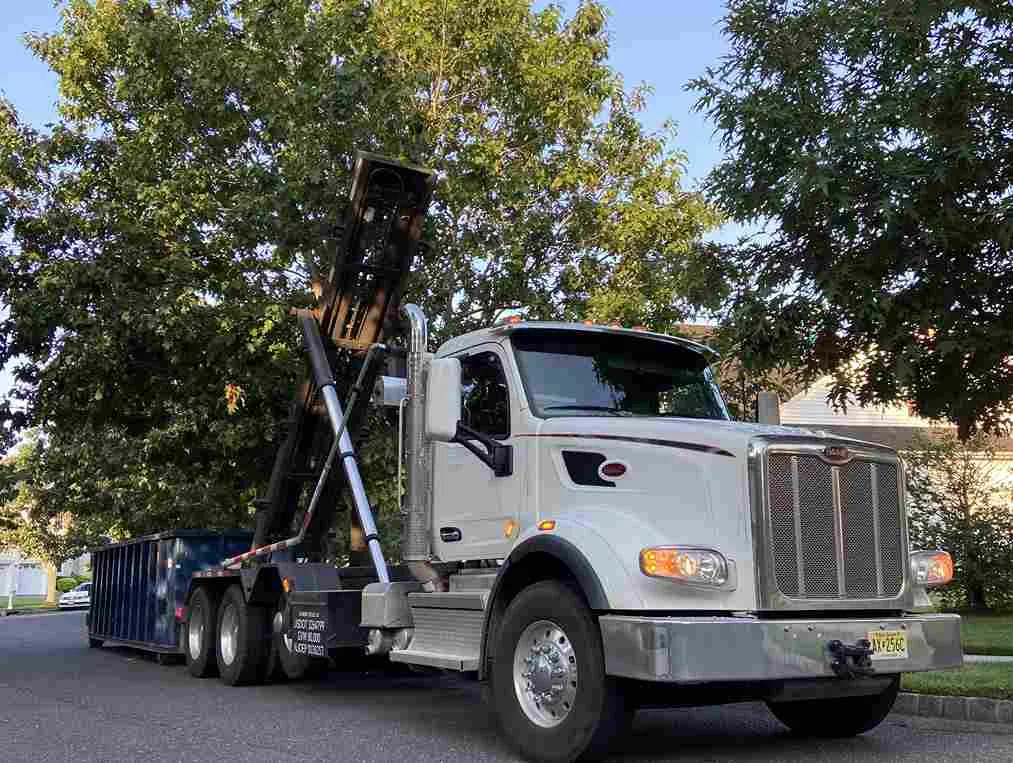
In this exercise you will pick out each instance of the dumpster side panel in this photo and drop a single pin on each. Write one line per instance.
(139, 584)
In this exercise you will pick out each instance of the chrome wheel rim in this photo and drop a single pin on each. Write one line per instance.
(195, 635)
(229, 633)
(545, 673)
(279, 624)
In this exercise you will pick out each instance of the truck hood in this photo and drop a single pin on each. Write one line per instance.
(705, 435)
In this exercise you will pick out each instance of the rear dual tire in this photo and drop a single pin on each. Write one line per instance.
(201, 633)
(285, 664)
(244, 639)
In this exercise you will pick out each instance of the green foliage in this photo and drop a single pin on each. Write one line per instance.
(873, 139)
(65, 584)
(955, 504)
(161, 229)
(36, 520)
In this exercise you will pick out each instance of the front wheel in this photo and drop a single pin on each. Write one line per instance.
(841, 717)
(548, 682)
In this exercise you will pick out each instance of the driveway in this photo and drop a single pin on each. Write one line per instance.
(61, 701)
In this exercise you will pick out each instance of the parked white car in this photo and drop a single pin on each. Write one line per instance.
(77, 597)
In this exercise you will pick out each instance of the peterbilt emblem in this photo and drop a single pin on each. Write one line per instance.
(836, 454)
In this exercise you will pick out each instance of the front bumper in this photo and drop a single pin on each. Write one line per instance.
(705, 649)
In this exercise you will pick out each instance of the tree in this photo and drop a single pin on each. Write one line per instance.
(160, 230)
(32, 522)
(873, 138)
(956, 504)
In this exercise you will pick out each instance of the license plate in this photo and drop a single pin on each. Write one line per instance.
(888, 645)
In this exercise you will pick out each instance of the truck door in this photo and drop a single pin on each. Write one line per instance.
(470, 504)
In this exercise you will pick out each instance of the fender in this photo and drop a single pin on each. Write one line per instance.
(558, 548)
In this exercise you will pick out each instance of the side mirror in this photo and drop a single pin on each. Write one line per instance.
(768, 408)
(443, 399)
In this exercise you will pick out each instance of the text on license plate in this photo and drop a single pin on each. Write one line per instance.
(888, 645)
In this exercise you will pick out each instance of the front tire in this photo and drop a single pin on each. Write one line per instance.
(243, 642)
(200, 634)
(548, 682)
(842, 717)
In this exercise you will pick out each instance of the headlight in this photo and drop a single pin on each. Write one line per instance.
(689, 564)
(929, 568)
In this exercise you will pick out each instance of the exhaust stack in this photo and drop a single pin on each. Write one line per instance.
(416, 530)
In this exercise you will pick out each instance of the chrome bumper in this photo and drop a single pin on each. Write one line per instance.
(703, 649)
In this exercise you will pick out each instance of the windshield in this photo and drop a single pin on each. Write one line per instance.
(573, 373)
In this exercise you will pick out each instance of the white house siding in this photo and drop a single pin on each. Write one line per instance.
(31, 577)
(811, 408)
(893, 426)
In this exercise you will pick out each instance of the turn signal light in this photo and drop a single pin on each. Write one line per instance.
(930, 568)
(547, 524)
(701, 566)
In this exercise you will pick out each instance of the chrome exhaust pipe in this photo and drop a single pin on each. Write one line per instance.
(416, 551)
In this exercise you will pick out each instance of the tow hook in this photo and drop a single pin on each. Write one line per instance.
(851, 660)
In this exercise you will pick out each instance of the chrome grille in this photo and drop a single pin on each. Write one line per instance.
(836, 530)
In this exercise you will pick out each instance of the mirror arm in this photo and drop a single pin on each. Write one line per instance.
(497, 456)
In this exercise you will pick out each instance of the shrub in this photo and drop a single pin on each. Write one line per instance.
(955, 503)
(65, 584)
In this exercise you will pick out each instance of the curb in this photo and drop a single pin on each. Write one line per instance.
(979, 709)
(39, 611)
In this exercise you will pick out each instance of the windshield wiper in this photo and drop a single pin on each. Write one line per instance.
(613, 411)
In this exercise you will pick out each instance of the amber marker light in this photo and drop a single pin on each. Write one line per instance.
(688, 564)
(931, 568)
(547, 524)
(509, 528)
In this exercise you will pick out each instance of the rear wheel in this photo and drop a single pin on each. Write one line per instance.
(199, 633)
(548, 682)
(842, 717)
(285, 664)
(243, 642)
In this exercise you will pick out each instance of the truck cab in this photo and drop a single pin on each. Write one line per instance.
(703, 557)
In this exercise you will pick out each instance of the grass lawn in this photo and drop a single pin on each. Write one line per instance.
(27, 602)
(987, 634)
(993, 680)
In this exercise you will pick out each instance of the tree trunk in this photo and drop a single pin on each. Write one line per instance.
(50, 582)
(976, 596)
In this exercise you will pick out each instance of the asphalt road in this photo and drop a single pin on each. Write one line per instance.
(61, 701)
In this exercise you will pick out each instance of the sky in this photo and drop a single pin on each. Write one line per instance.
(664, 43)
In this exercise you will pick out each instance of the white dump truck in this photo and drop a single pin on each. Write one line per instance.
(585, 528)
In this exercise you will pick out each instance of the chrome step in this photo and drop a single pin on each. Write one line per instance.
(448, 630)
